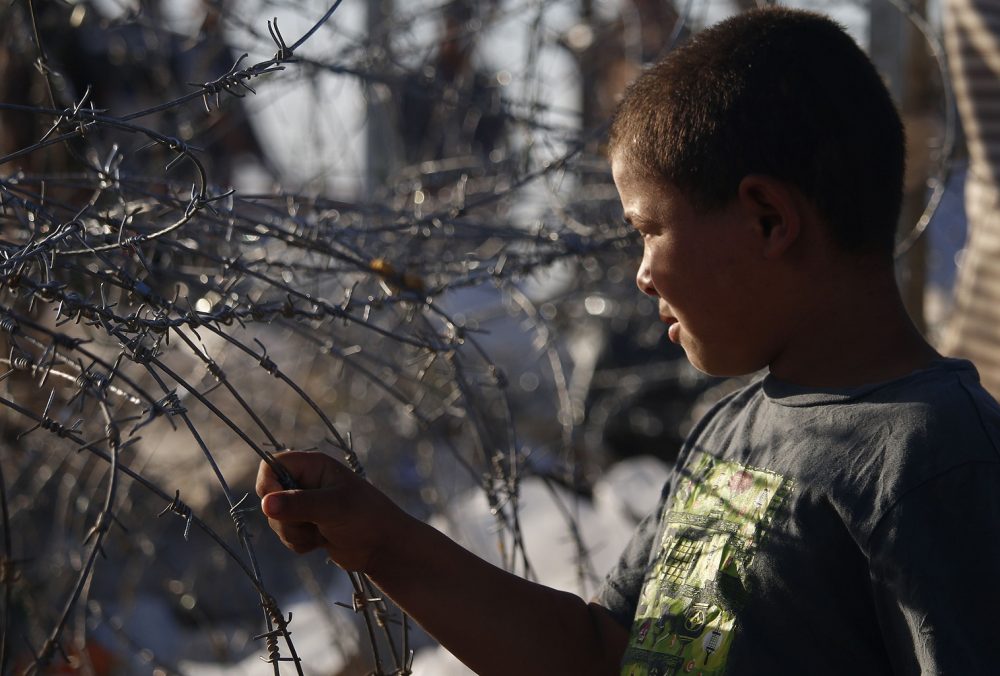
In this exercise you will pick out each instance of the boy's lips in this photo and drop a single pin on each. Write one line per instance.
(673, 328)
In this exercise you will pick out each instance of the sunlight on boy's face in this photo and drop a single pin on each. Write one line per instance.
(702, 269)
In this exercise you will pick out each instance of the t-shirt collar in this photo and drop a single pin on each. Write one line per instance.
(787, 394)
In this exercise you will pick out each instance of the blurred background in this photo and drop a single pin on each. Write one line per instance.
(386, 231)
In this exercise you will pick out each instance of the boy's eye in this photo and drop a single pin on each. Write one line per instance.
(643, 227)
(640, 227)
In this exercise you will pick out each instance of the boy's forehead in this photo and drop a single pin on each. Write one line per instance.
(638, 183)
(625, 166)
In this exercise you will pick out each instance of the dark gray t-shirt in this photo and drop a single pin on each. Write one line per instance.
(824, 532)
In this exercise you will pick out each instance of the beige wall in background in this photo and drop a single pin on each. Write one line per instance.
(972, 40)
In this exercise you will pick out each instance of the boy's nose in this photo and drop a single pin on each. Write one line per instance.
(643, 278)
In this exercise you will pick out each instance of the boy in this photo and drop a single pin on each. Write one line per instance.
(838, 516)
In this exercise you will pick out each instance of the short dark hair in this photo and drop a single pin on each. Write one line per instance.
(775, 91)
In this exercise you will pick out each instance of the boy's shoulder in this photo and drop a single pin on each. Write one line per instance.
(898, 432)
(944, 398)
(864, 449)
(852, 454)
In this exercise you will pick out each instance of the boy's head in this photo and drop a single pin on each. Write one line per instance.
(776, 92)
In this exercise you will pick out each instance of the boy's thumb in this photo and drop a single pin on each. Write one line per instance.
(296, 505)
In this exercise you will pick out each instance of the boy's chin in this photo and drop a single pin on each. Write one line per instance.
(719, 367)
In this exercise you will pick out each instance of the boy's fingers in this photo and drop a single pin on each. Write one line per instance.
(267, 482)
(298, 537)
(310, 469)
(312, 506)
(292, 531)
(303, 545)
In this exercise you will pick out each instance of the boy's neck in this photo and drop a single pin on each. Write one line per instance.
(855, 332)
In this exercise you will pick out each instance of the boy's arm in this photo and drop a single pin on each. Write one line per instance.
(495, 622)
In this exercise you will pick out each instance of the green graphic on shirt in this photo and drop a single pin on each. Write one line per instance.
(718, 514)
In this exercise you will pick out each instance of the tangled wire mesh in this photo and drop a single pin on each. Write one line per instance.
(147, 306)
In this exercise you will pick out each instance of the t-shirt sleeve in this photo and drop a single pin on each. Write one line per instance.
(620, 590)
(935, 565)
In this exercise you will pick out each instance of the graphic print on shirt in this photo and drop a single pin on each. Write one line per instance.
(717, 516)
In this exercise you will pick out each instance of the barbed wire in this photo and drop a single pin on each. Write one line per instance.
(105, 263)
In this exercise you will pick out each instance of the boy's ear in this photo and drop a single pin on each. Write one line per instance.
(775, 212)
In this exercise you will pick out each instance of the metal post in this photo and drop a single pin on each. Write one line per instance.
(380, 131)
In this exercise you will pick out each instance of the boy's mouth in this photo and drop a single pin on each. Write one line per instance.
(673, 328)
(674, 333)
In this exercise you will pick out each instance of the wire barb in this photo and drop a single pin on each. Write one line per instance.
(178, 507)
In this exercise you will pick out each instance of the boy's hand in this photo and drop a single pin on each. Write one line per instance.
(457, 597)
(334, 509)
